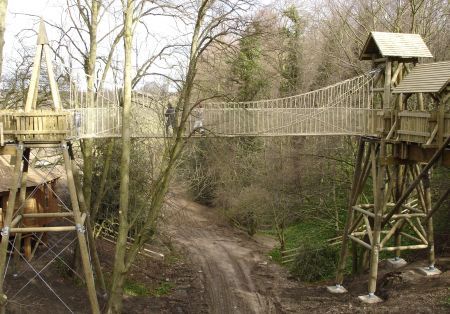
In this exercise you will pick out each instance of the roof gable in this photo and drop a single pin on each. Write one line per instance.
(425, 78)
(401, 45)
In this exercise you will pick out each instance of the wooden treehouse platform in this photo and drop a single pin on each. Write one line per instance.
(36, 126)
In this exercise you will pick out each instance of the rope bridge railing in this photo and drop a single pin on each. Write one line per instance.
(345, 108)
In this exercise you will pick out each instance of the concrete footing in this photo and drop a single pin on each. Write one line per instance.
(429, 271)
(396, 262)
(370, 299)
(336, 289)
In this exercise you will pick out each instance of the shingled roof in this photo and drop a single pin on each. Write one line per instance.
(425, 78)
(402, 45)
(35, 177)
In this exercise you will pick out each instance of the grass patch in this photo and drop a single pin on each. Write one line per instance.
(135, 289)
(164, 288)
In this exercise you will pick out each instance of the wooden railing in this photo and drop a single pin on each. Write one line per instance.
(8, 126)
(41, 126)
(415, 126)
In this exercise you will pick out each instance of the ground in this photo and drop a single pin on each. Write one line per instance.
(211, 267)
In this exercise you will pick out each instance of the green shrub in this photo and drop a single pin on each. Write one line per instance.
(315, 263)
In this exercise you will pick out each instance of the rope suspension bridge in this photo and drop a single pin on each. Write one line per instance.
(344, 108)
(399, 112)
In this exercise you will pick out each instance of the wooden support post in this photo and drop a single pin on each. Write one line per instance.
(420, 101)
(27, 247)
(398, 241)
(350, 213)
(38, 242)
(89, 277)
(6, 223)
(34, 78)
(416, 181)
(379, 168)
(396, 195)
(90, 231)
(354, 258)
(2, 138)
(430, 228)
(22, 196)
(387, 85)
(440, 123)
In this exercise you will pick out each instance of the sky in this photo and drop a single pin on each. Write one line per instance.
(24, 14)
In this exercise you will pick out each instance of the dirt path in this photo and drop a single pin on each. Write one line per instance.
(238, 277)
(226, 259)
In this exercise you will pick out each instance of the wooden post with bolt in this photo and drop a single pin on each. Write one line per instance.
(89, 276)
(6, 223)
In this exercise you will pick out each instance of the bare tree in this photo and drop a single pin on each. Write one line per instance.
(3, 7)
(209, 21)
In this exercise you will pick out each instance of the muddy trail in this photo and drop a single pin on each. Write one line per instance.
(237, 275)
(226, 259)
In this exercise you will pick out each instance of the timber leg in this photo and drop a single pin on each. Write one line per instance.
(90, 232)
(379, 173)
(88, 274)
(338, 288)
(431, 270)
(27, 247)
(22, 197)
(6, 223)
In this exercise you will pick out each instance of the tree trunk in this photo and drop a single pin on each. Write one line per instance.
(3, 7)
(89, 67)
(119, 270)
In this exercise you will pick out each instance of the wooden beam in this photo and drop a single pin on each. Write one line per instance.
(433, 135)
(396, 73)
(350, 214)
(368, 228)
(421, 236)
(387, 85)
(34, 78)
(51, 77)
(7, 218)
(416, 181)
(396, 216)
(405, 247)
(363, 211)
(16, 220)
(392, 130)
(407, 235)
(353, 238)
(47, 215)
(391, 232)
(43, 229)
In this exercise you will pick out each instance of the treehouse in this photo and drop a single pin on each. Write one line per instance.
(27, 196)
(39, 198)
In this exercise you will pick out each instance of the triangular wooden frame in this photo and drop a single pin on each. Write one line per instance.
(42, 49)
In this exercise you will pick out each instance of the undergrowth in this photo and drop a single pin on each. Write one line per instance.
(135, 289)
(316, 259)
(164, 288)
